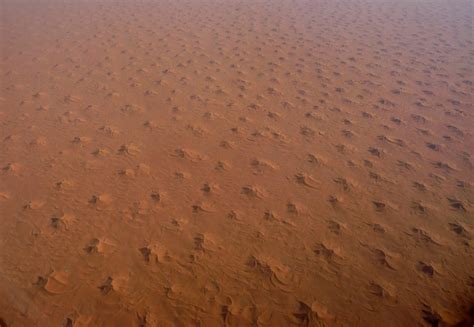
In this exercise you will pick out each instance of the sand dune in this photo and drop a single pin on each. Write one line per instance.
(236, 163)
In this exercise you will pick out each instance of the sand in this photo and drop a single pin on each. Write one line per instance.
(236, 163)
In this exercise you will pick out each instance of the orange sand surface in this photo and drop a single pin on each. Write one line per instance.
(236, 163)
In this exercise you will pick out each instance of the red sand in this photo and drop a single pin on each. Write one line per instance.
(237, 163)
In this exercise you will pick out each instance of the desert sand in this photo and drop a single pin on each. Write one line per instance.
(236, 163)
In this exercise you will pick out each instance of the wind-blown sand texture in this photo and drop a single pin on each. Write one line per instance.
(236, 163)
